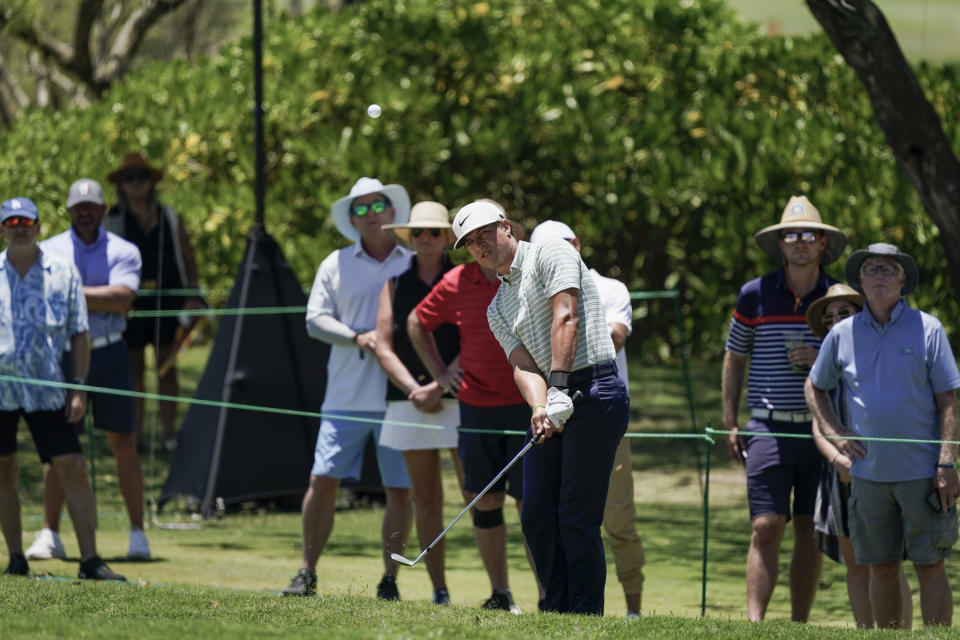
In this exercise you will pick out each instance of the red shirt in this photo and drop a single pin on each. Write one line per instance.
(461, 298)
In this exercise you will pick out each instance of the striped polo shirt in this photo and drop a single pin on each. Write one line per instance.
(522, 314)
(767, 317)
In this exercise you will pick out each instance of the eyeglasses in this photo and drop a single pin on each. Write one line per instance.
(829, 318)
(881, 268)
(792, 237)
(136, 175)
(378, 206)
(17, 221)
(417, 232)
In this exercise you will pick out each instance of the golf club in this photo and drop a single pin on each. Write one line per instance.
(402, 560)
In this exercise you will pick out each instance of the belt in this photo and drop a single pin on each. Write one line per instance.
(103, 341)
(781, 416)
(581, 376)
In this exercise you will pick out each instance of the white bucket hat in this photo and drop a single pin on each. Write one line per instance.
(478, 213)
(340, 211)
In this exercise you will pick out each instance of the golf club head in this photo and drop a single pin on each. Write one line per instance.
(396, 557)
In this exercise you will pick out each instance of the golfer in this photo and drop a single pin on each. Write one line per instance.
(548, 318)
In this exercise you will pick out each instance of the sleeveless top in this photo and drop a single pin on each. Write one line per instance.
(161, 264)
(408, 292)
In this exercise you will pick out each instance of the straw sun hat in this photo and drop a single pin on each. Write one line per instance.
(801, 214)
(817, 308)
(423, 215)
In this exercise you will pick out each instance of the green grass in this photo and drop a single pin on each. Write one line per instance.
(222, 579)
(926, 29)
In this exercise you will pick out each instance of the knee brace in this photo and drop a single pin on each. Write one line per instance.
(487, 519)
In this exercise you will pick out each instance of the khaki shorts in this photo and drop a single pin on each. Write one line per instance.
(888, 517)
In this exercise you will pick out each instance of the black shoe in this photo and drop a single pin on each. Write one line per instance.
(303, 584)
(441, 597)
(18, 566)
(96, 569)
(387, 589)
(502, 602)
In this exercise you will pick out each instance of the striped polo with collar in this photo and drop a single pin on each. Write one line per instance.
(768, 315)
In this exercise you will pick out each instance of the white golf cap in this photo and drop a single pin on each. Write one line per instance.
(551, 229)
(84, 190)
(473, 216)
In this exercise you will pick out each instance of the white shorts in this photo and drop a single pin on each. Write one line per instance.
(439, 430)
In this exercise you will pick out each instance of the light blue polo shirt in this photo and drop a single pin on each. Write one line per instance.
(39, 313)
(110, 260)
(891, 374)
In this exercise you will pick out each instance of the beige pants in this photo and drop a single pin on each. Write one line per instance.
(619, 521)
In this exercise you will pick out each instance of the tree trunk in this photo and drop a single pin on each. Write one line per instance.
(861, 34)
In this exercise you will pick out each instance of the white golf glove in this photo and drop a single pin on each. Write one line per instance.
(559, 407)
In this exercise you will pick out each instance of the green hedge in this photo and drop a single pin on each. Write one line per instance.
(665, 133)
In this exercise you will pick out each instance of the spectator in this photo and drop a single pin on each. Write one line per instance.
(489, 401)
(413, 397)
(342, 310)
(769, 327)
(109, 269)
(31, 346)
(168, 264)
(548, 319)
(899, 381)
(831, 516)
(619, 514)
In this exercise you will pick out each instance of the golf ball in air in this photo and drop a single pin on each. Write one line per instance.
(374, 111)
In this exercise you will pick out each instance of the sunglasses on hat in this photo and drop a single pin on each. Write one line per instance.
(18, 221)
(378, 206)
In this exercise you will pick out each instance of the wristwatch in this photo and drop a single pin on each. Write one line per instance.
(78, 380)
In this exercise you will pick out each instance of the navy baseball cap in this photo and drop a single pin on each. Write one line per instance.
(18, 208)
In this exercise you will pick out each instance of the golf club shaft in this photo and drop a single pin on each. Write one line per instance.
(481, 494)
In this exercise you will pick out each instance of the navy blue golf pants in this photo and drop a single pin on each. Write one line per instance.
(565, 483)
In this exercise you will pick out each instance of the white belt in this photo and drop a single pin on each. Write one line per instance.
(781, 416)
(103, 341)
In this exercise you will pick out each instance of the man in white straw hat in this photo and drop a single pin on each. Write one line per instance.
(619, 514)
(342, 310)
(900, 380)
(769, 329)
(549, 321)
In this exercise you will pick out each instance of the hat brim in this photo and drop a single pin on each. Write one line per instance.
(768, 239)
(340, 211)
(857, 258)
(402, 233)
(114, 176)
(818, 307)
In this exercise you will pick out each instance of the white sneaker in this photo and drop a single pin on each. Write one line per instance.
(139, 547)
(46, 545)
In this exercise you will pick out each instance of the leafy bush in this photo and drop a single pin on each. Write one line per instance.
(665, 133)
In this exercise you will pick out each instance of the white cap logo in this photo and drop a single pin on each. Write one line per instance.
(84, 188)
(15, 204)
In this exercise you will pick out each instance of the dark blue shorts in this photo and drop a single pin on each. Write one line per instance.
(485, 455)
(109, 368)
(51, 434)
(777, 467)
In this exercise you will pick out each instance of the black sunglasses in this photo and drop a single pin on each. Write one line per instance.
(136, 175)
(434, 232)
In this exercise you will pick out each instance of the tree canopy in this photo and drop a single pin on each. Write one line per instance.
(666, 134)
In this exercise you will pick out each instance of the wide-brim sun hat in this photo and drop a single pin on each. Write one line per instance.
(133, 161)
(551, 229)
(836, 293)
(857, 258)
(478, 213)
(423, 215)
(340, 211)
(801, 214)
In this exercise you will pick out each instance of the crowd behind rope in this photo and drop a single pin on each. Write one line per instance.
(527, 337)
